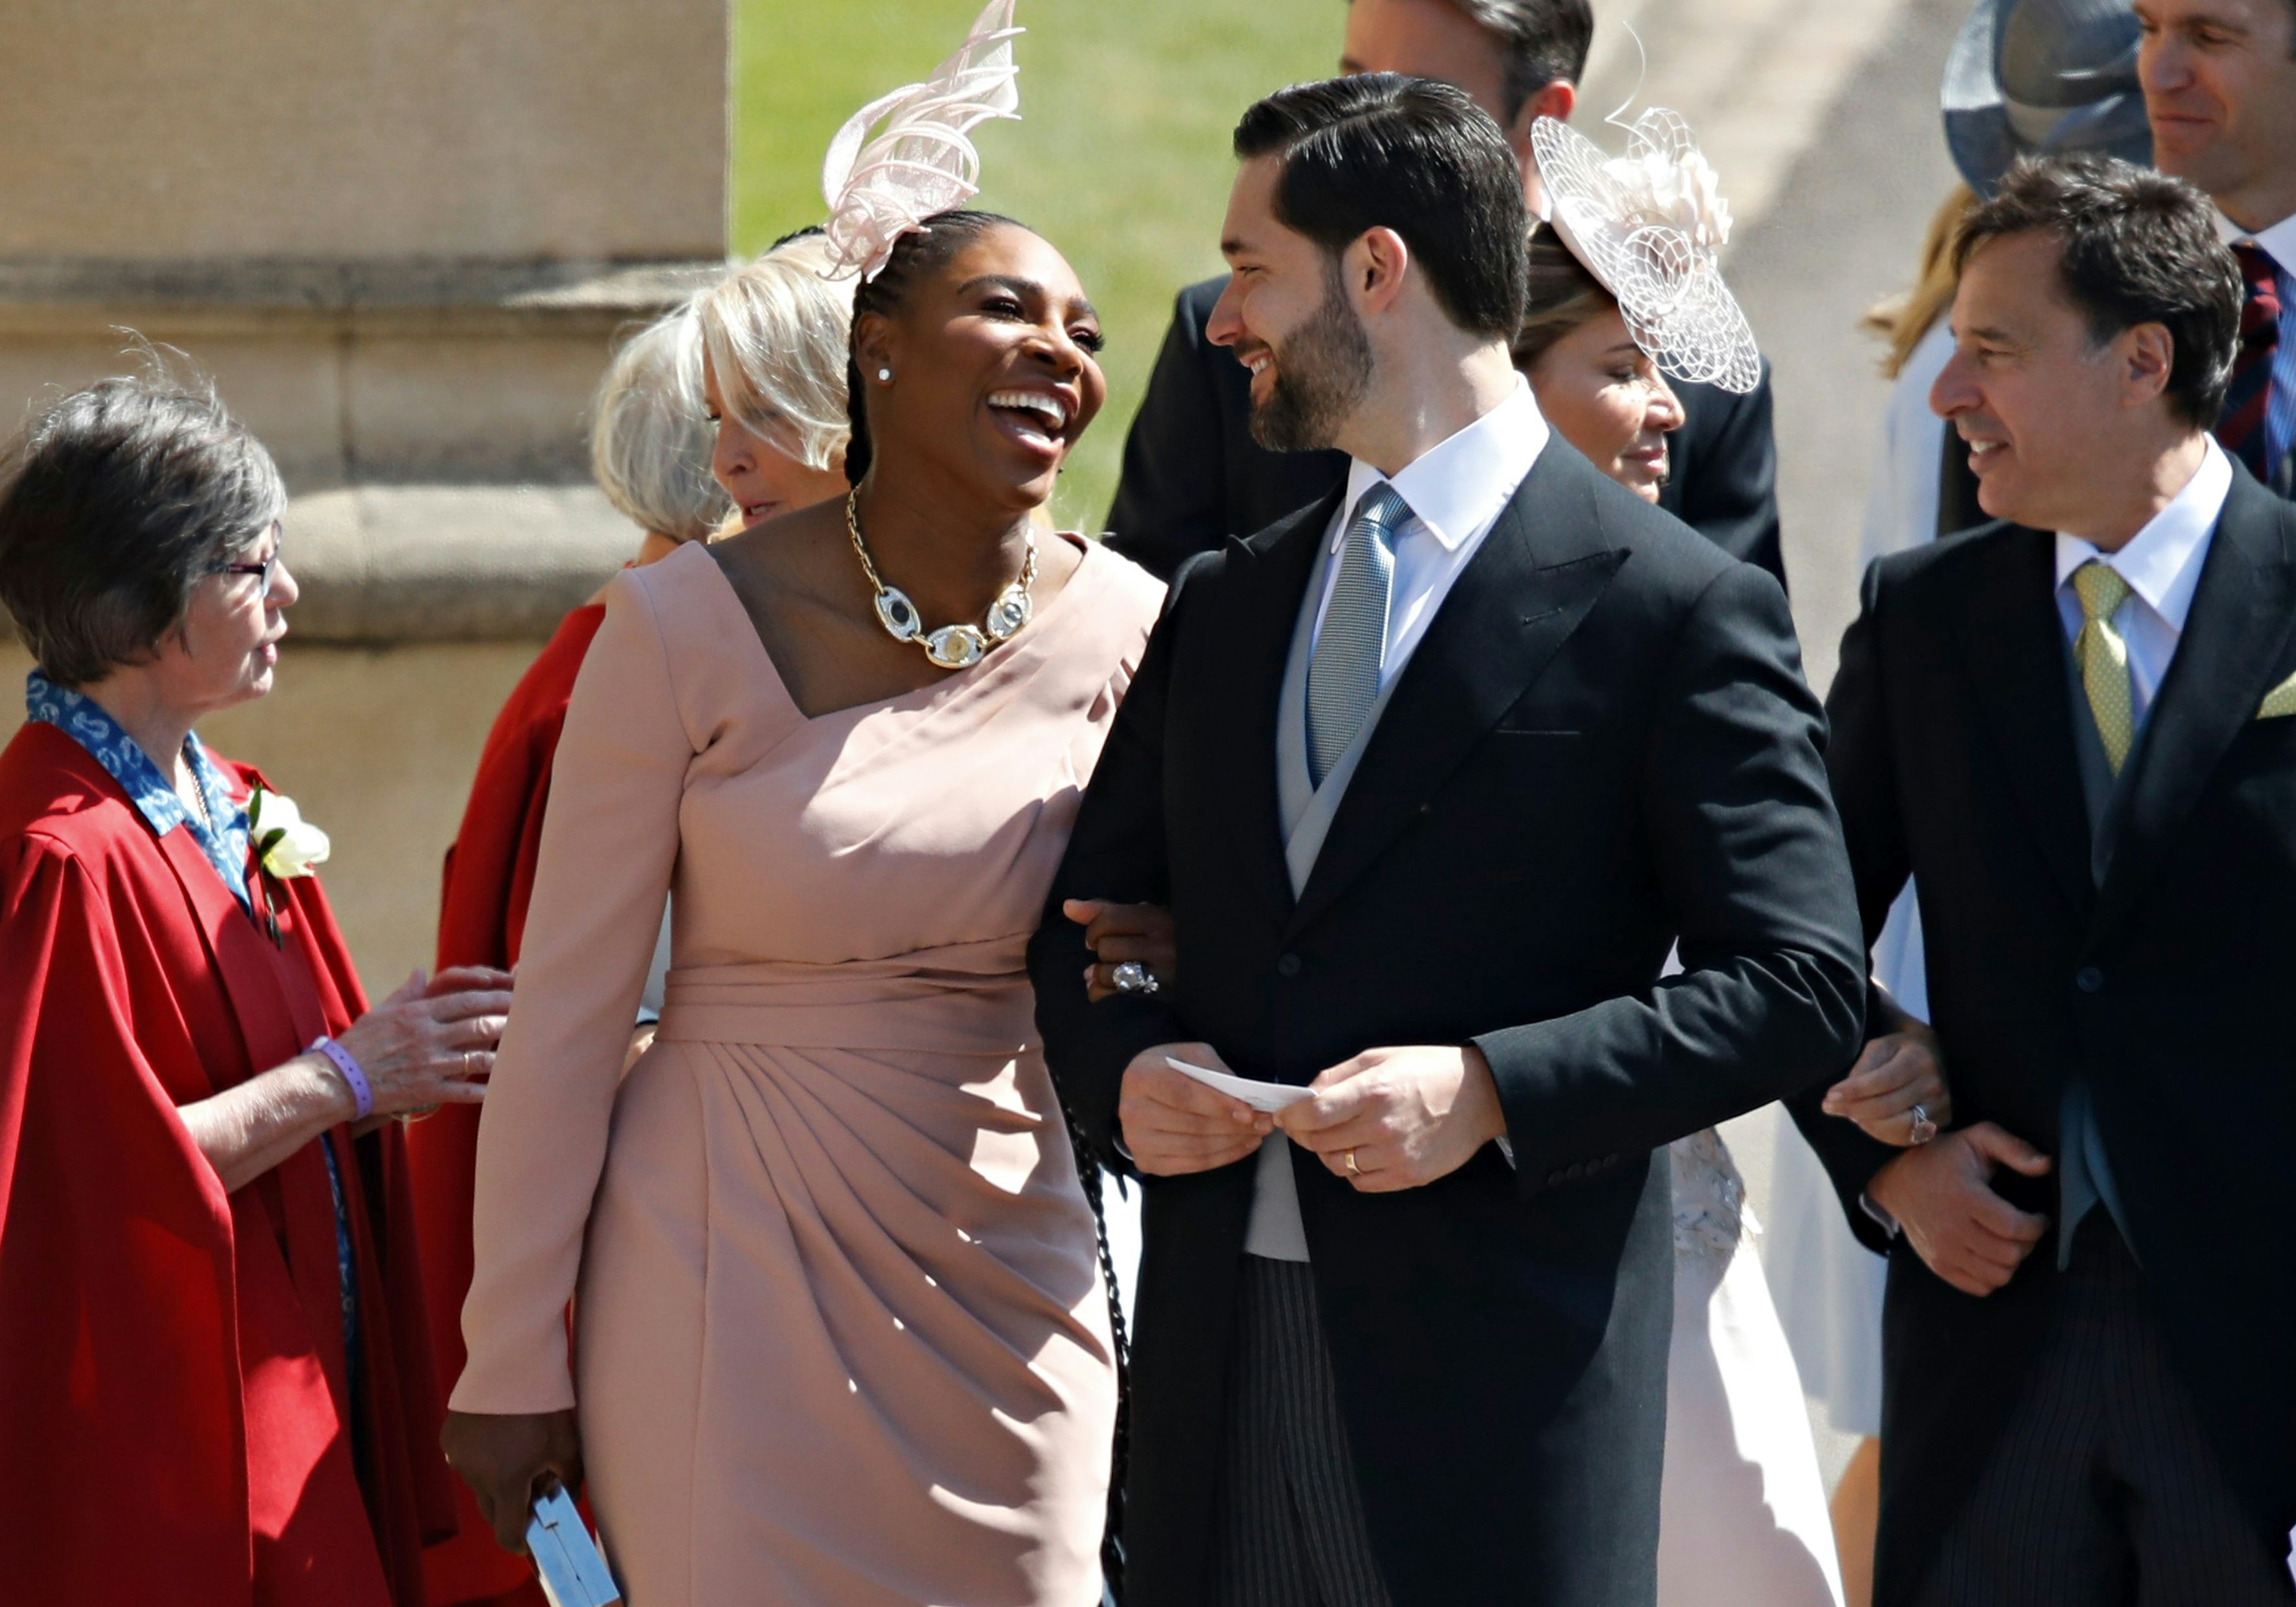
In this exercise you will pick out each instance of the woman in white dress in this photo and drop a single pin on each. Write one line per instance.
(1743, 1516)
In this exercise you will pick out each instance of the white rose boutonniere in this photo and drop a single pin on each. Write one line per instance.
(286, 845)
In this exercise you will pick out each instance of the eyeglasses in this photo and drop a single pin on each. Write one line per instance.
(266, 571)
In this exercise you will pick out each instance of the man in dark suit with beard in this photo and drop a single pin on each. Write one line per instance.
(2076, 728)
(1431, 776)
(1194, 476)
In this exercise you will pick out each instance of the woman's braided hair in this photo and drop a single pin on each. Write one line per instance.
(922, 251)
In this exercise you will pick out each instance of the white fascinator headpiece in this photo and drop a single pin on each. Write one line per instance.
(921, 163)
(1650, 226)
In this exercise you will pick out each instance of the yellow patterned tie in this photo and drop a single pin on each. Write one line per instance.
(2103, 659)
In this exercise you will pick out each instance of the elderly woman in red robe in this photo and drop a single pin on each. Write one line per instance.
(732, 407)
(216, 1385)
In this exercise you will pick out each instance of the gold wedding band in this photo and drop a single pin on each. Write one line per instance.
(1353, 1169)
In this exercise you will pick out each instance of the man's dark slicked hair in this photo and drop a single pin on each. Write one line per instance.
(2134, 247)
(1543, 40)
(1381, 151)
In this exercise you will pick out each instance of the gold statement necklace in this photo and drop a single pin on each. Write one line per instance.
(952, 646)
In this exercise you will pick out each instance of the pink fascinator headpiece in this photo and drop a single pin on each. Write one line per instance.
(921, 163)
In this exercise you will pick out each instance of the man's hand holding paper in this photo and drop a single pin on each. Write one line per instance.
(1397, 1119)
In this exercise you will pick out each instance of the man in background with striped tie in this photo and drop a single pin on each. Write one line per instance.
(1432, 773)
(2076, 728)
(2219, 81)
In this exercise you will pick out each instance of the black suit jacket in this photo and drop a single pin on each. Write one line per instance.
(1602, 743)
(2166, 987)
(1194, 476)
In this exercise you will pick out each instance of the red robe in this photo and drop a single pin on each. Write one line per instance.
(489, 877)
(175, 1423)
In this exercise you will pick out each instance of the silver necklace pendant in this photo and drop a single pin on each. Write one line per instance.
(952, 646)
(898, 614)
(957, 646)
(1007, 614)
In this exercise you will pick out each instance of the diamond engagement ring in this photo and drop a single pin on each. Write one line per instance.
(1133, 976)
(1924, 1128)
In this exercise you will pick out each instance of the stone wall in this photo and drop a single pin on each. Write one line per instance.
(231, 130)
(400, 238)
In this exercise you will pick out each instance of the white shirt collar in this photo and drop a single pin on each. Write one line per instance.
(2279, 240)
(1459, 485)
(2162, 564)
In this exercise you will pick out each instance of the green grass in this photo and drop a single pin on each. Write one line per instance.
(1120, 159)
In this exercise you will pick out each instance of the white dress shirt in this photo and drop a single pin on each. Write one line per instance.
(2279, 244)
(1456, 490)
(2163, 566)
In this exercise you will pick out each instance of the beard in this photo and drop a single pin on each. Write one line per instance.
(1323, 369)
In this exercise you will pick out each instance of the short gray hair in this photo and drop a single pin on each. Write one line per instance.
(776, 333)
(114, 504)
(650, 439)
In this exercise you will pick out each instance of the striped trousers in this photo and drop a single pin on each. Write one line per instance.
(2103, 1490)
(1291, 1529)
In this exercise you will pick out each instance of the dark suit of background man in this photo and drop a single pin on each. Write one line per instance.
(2220, 80)
(1194, 476)
(1431, 777)
(2083, 747)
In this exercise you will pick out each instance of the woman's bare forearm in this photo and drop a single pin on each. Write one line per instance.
(247, 1130)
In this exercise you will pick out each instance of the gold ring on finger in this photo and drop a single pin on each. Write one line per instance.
(1353, 1169)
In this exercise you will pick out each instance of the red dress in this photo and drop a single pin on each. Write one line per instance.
(489, 877)
(176, 1419)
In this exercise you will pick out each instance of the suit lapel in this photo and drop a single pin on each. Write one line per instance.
(2228, 658)
(2016, 650)
(1252, 624)
(1524, 592)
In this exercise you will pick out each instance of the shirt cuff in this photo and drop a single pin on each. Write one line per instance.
(1883, 1219)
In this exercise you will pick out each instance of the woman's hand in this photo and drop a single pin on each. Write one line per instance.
(508, 1459)
(1118, 933)
(419, 1048)
(432, 1042)
(1898, 1073)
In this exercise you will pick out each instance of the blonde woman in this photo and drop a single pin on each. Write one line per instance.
(680, 467)
(774, 379)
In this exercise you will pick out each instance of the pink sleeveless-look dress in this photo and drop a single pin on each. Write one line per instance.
(840, 1331)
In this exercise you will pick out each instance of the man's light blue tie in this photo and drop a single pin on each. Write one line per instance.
(1343, 677)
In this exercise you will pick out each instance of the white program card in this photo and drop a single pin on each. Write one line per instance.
(1259, 1095)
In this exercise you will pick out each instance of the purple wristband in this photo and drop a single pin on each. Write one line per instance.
(349, 1068)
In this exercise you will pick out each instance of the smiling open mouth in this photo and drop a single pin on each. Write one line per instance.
(1037, 417)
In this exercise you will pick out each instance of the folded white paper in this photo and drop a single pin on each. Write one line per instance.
(1259, 1095)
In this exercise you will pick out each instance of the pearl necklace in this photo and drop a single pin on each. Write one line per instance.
(952, 646)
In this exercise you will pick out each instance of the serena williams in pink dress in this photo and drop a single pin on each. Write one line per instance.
(840, 1329)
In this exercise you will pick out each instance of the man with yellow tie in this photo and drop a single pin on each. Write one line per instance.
(2072, 727)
